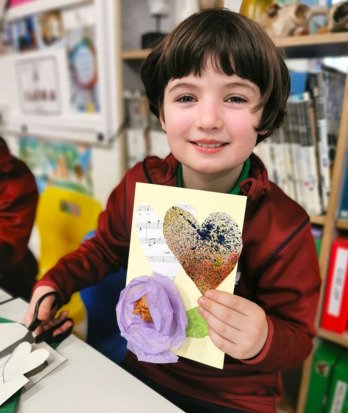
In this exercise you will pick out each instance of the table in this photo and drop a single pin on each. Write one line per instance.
(87, 382)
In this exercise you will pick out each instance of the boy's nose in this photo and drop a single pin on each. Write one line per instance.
(209, 117)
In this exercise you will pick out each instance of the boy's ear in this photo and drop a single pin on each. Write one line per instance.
(263, 132)
(163, 123)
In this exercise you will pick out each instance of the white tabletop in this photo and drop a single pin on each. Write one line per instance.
(87, 382)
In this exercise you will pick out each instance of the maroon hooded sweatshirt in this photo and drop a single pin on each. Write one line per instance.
(278, 271)
(18, 202)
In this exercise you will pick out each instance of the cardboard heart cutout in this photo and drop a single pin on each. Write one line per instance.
(208, 252)
(23, 360)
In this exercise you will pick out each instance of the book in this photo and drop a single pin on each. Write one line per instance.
(309, 148)
(343, 208)
(301, 117)
(317, 232)
(316, 87)
(325, 358)
(335, 308)
(338, 391)
(334, 92)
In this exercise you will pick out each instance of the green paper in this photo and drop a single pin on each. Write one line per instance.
(10, 405)
(197, 326)
(5, 320)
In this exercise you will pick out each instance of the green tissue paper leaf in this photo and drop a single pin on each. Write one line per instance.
(197, 326)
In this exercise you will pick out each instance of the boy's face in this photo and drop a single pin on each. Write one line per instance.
(209, 121)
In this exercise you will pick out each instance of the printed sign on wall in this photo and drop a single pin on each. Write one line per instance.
(38, 85)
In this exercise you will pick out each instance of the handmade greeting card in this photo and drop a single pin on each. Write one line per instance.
(183, 242)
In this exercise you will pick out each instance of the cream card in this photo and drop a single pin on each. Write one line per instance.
(194, 238)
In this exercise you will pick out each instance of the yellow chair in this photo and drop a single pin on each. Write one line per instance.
(64, 217)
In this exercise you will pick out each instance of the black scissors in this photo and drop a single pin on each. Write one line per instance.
(47, 335)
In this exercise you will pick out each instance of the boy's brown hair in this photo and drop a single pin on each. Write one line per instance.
(236, 45)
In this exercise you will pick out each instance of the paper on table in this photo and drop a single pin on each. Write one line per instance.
(34, 360)
(23, 360)
(4, 296)
(11, 332)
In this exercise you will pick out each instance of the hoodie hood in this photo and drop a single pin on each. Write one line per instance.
(6, 159)
(164, 172)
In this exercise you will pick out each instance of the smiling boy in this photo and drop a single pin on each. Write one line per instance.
(219, 86)
(210, 125)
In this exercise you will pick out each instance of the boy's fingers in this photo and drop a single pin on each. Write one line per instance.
(58, 326)
(239, 304)
(45, 308)
(64, 328)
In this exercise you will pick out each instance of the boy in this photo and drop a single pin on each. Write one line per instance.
(219, 86)
(18, 202)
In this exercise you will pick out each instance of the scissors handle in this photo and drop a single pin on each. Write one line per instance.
(56, 303)
(49, 338)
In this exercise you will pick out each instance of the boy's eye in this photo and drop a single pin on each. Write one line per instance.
(186, 98)
(235, 99)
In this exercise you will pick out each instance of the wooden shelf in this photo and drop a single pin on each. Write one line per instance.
(314, 46)
(318, 219)
(331, 44)
(342, 224)
(321, 220)
(341, 339)
(136, 54)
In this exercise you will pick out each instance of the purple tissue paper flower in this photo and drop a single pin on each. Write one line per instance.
(152, 341)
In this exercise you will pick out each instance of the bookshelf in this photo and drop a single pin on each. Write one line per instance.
(313, 46)
(309, 47)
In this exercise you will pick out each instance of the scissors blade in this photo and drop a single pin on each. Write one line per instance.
(9, 349)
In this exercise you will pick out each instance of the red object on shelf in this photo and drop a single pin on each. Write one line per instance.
(335, 309)
(14, 3)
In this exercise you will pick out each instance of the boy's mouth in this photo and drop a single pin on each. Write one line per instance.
(209, 145)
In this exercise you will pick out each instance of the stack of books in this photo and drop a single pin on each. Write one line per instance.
(300, 155)
(143, 132)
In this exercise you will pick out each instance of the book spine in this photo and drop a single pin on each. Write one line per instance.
(335, 310)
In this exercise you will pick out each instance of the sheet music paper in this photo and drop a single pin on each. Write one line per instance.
(149, 229)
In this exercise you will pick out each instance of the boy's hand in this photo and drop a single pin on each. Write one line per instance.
(46, 313)
(237, 326)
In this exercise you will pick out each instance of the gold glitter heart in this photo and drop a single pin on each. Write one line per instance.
(208, 252)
